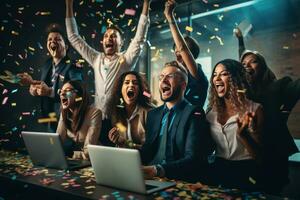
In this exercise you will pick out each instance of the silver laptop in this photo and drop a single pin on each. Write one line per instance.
(45, 149)
(121, 168)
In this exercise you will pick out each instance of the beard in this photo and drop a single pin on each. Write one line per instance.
(175, 94)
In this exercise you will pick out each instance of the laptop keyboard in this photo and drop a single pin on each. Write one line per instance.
(149, 187)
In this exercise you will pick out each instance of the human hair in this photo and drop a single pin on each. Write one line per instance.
(238, 88)
(81, 105)
(265, 75)
(119, 112)
(192, 44)
(116, 28)
(56, 28)
(182, 71)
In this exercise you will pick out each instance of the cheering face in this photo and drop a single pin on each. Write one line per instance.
(56, 45)
(170, 84)
(67, 96)
(221, 80)
(251, 65)
(130, 89)
(111, 42)
(178, 56)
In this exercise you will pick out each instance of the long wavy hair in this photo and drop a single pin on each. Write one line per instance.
(118, 106)
(237, 81)
(73, 121)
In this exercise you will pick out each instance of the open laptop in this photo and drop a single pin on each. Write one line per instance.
(121, 168)
(45, 149)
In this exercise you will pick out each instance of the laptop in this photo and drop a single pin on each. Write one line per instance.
(121, 168)
(46, 149)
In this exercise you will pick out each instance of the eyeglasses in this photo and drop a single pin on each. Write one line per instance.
(167, 76)
(66, 93)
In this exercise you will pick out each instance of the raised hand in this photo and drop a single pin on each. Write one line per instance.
(237, 32)
(69, 8)
(169, 8)
(25, 79)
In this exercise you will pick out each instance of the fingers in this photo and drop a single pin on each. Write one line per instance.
(114, 135)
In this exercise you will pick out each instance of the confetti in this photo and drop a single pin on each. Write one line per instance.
(47, 120)
(130, 12)
(188, 28)
(146, 94)
(4, 100)
(78, 99)
(242, 91)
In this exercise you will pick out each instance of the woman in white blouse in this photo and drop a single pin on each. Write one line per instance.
(130, 107)
(235, 124)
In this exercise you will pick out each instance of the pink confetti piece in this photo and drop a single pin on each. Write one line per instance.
(4, 100)
(26, 113)
(5, 91)
(146, 94)
(130, 12)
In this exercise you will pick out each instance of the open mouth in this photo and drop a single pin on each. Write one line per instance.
(220, 87)
(166, 90)
(109, 45)
(130, 94)
(64, 101)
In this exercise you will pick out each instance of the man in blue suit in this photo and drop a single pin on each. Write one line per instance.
(57, 70)
(177, 137)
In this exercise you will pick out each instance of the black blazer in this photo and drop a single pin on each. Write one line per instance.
(66, 71)
(191, 141)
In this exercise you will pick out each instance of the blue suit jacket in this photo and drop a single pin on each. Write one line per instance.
(191, 142)
(67, 71)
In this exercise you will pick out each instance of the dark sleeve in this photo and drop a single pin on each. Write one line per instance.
(198, 145)
(291, 93)
(241, 46)
(147, 151)
(75, 73)
(196, 91)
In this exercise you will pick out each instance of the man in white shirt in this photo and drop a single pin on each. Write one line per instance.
(111, 63)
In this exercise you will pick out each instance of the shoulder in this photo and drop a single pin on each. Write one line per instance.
(94, 112)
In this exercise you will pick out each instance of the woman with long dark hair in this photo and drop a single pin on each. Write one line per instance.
(79, 122)
(130, 107)
(278, 97)
(235, 124)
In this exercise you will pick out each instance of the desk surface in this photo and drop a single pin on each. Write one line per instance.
(17, 168)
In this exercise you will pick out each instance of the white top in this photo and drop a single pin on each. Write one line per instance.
(107, 71)
(225, 136)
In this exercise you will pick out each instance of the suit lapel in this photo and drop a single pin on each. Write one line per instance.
(46, 69)
(157, 122)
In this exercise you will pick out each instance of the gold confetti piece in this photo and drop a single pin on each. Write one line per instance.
(90, 192)
(253, 181)
(83, 25)
(188, 28)
(242, 91)
(81, 60)
(121, 60)
(47, 120)
(78, 99)
(45, 13)
(31, 48)
(90, 187)
(65, 184)
(121, 127)
(52, 114)
(14, 33)
(2, 28)
(285, 47)
(81, 2)
(198, 33)
(68, 61)
(129, 22)
(13, 104)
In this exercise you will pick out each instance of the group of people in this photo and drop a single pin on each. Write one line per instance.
(244, 127)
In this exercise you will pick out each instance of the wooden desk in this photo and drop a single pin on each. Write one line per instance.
(20, 180)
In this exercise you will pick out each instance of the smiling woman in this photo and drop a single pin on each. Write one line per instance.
(130, 109)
